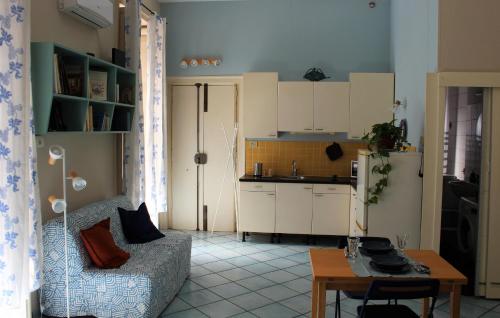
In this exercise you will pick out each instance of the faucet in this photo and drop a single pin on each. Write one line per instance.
(294, 168)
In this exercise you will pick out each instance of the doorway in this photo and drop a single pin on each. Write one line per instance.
(462, 173)
(203, 116)
(465, 209)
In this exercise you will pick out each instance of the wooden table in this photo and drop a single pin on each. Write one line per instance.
(330, 270)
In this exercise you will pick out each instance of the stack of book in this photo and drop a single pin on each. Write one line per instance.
(97, 120)
(68, 76)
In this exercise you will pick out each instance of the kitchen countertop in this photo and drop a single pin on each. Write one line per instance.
(306, 179)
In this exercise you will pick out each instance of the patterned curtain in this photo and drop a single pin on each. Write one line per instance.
(20, 233)
(145, 179)
(154, 115)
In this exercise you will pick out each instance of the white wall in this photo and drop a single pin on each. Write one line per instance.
(413, 55)
(469, 35)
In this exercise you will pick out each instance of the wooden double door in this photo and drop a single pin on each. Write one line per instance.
(199, 113)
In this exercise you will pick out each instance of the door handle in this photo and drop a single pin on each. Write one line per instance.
(307, 128)
(270, 194)
(306, 188)
(271, 135)
(319, 129)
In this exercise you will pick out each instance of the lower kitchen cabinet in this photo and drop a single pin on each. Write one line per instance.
(330, 214)
(257, 211)
(293, 208)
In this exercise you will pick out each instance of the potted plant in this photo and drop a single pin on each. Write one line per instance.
(382, 140)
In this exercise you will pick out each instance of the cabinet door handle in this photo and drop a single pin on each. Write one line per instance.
(271, 135)
(319, 129)
(306, 188)
(319, 195)
(332, 189)
(307, 128)
(270, 194)
(258, 187)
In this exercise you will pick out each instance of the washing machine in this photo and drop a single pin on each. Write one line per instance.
(459, 231)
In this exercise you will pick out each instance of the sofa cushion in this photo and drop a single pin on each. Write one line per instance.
(137, 225)
(101, 247)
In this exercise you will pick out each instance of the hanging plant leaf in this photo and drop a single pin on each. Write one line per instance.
(382, 140)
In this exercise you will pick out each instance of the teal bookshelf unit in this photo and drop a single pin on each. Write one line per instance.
(72, 106)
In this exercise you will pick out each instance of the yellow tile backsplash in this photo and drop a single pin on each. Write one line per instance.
(310, 156)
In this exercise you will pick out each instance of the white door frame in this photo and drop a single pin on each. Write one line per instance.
(437, 83)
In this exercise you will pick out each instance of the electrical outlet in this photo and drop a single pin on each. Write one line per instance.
(40, 143)
(253, 144)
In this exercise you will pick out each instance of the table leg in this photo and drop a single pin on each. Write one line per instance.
(455, 295)
(314, 300)
(425, 307)
(321, 300)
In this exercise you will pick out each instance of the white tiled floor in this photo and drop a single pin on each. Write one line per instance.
(258, 279)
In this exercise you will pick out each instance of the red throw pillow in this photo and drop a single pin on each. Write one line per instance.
(101, 247)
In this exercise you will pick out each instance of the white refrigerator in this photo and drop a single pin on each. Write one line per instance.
(399, 209)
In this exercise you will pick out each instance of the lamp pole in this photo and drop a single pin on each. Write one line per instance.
(65, 230)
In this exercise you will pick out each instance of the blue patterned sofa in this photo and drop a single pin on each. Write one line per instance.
(142, 287)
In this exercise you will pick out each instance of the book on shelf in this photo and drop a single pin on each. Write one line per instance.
(98, 85)
(68, 76)
(89, 119)
(57, 80)
(101, 121)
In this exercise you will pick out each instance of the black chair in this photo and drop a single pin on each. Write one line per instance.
(356, 295)
(396, 290)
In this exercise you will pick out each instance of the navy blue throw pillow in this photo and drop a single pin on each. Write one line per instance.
(137, 225)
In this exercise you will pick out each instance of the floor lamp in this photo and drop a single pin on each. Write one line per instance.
(60, 205)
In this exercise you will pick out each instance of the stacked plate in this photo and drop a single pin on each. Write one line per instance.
(370, 248)
(384, 257)
(390, 263)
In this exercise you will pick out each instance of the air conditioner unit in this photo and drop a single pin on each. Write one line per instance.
(96, 13)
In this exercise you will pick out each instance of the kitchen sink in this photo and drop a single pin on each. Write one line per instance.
(293, 178)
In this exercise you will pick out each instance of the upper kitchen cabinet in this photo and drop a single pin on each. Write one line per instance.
(331, 107)
(260, 105)
(295, 106)
(372, 98)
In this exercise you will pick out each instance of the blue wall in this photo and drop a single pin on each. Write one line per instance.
(413, 55)
(287, 36)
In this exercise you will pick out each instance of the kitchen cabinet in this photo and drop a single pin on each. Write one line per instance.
(371, 101)
(331, 210)
(293, 208)
(260, 105)
(295, 106)
(257, 207)
(331, 107)
(313, 107)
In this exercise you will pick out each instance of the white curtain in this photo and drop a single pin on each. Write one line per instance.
(145, 177)
(154, 116)
(19, 201)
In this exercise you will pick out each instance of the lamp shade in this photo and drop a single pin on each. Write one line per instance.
(55, 153)
(58, 205)
(78, 183)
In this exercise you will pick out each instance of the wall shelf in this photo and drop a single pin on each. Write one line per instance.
(72, 110)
